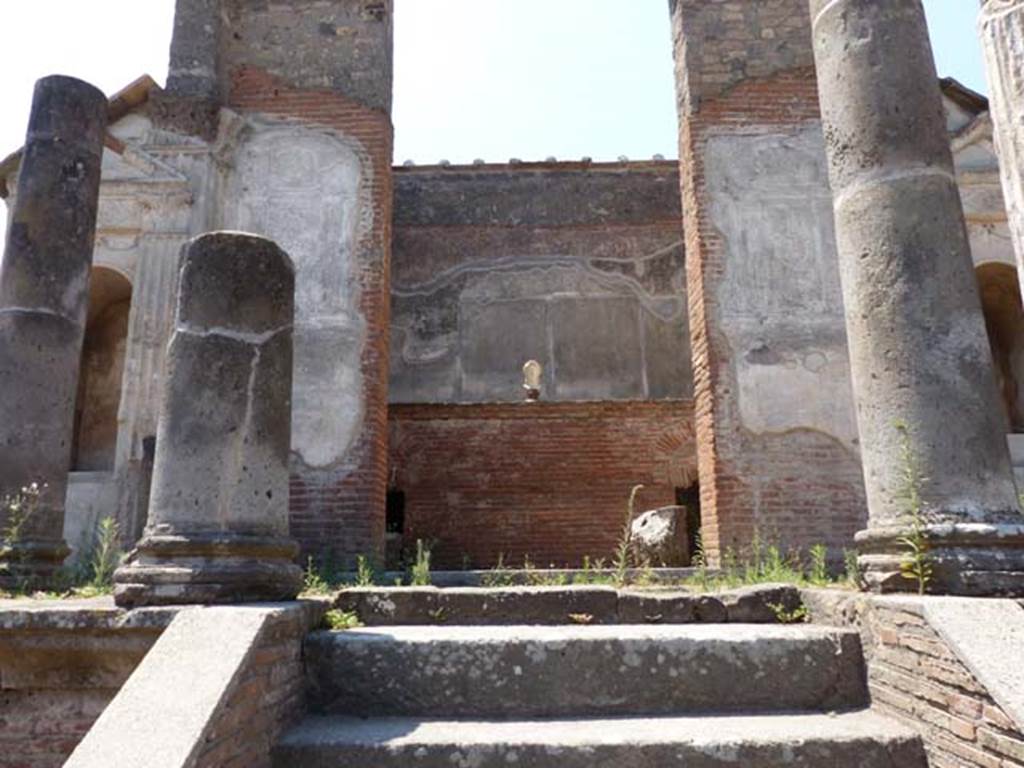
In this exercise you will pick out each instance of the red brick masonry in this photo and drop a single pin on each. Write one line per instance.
(550, 480)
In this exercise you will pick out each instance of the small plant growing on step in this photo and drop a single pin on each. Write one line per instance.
(818, 574)
(313, 581)
(438, 615)
(499, 575)
(916, 564)
(365, 577)
(785, 615)
(106, 555)
(338, 620)
(700, 561)
(852, 568)
(19, 508)
(420, 573)
(624, 550)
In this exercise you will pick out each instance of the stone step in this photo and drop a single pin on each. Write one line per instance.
(538, 671)
(591, 604)
(849, 740)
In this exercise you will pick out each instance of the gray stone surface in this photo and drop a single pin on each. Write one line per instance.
(641, 606)
(1002, 36)
(479, 606)
(988, 637)
(660, 536)
(475, 606)
(44, 283)
(918, 347)
(760, 604)
(851, 740)
(194, 68)
(218, 516)
(582, 670)
(97, 613)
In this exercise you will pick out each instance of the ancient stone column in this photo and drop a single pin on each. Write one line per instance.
(919, 353)
(218, 515)
(44, 295)
(1002, 38)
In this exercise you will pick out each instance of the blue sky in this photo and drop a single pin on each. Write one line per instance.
(489, 79)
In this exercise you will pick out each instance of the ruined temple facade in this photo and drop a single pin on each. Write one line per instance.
(688, 315)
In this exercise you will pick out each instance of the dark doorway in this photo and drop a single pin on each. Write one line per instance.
(394, 513)
(690, 498)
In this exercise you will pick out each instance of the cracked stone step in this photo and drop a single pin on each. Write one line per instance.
(400, 606)
(858, 739)
(536, 671)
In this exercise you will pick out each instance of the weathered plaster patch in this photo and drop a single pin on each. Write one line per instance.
(612, 329)
(780, 303)
(307, 189)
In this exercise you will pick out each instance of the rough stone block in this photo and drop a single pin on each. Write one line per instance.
(581, 670)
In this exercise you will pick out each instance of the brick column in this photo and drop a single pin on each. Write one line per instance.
(218, 514)
(44, 294)
(312, 82)
(776, 433)
(195, 78)
(1002, 38)
(918, 347)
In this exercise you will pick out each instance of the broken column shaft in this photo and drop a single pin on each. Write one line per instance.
(218, 515)
(44, 294)
(928, 409)
(1002, 38)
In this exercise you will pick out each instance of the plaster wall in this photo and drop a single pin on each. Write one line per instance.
(579, 267)
(305, 188)
(780, 309)
(91, 497)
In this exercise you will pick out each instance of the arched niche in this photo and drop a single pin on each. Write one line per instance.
(1004, 319)
(99, 380)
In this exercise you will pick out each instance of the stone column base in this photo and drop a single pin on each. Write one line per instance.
(30, 565)
(208, 569)
(973, 559)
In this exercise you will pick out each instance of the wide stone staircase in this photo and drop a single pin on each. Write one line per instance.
(591, 696)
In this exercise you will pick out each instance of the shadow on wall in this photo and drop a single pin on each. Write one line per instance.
(1004, 320)
(99, 384)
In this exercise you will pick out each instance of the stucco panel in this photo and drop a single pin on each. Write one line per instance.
(305, 189)
(780, 306)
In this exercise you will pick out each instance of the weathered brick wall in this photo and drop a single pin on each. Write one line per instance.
(915, 677)
(59, 669)
(268, 697)
(550, 480)
(745, 75)
(579, 266)
(329, 64)
(39, 728)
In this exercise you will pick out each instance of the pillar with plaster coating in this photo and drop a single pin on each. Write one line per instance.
(44, 295)
(217, 529)
(1002, 39)
(919, 352)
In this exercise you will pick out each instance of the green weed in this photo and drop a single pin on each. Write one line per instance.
(339, 620)
(419, 574)
(916, 564)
